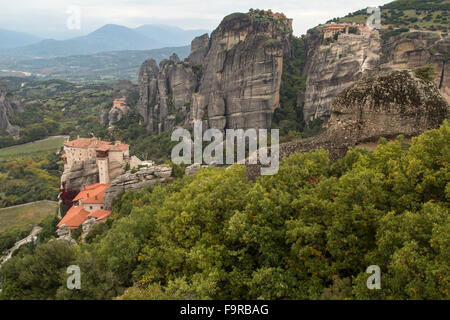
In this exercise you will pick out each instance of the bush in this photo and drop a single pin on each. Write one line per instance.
(426, 73)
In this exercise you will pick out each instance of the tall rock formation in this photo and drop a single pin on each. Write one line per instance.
(199, 50)
(231, 80)
(165, 93)
(8, 106)
(336, 64)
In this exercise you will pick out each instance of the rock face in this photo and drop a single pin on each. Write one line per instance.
(80, 174)
(8, 106)
(115, 114)
(86, 226)
(144, 177)
(199, 50)
(384, 104)
(165, 93)
(85, 173)
(414, 49)
(134, 181)
(65, 234)
(229, 81)
(333, 67)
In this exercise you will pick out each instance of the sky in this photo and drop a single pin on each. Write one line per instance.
(59, 19)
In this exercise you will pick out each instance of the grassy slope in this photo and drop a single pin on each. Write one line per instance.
(32, 148)
(24, 215)
(430, 15)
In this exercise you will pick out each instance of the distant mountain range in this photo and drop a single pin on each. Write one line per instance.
(110, 37)
(13, 39)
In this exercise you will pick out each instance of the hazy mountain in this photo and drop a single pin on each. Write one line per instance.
(168, 35)
(12, 39)
(110, 37)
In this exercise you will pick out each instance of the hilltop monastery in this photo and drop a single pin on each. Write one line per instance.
(111, 159)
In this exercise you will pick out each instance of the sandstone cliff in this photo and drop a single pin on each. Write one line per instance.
(384, 104)
(231, 80)
(333, 67)
(80, 174)
(143, 178)
(8, 106)
(199, 50)
(165, 93)
(86, 172)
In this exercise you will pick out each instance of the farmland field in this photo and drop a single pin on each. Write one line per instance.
(23, 215)
(32, 148)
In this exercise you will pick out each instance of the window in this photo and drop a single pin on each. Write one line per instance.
(90, 207)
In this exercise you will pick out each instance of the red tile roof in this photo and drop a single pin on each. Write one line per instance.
(92, 194)
(100, 214)
(335, 27)
(74, 217)
(89, 195)
(85, 143)
(96, 143)
(119, 147)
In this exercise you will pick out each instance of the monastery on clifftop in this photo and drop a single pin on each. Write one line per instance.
(106, 154)
(86, 202)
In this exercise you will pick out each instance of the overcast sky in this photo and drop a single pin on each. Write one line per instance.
(48, 18)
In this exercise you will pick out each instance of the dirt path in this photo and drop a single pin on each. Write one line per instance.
(31, 237)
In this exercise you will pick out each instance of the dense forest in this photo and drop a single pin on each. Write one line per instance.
(308, 232)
